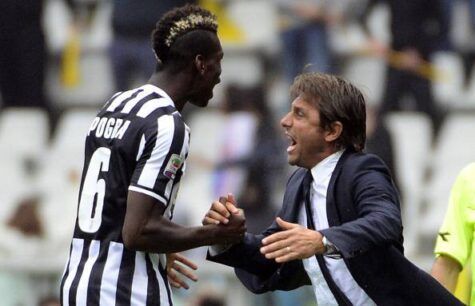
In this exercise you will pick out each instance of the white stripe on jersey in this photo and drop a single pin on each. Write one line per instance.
(149, 193)
(75, 258)
(152, 105)
(160, 91)
(111, 274)
(140, 281)
(81, 293)
(163, 291)
(184, 150)
(151, 169)
(141, 147)
(130, 104)
(186, 147)
(118, 101)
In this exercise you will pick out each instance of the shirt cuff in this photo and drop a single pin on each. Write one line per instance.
(218, 249)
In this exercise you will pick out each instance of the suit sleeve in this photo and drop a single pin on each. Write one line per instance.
(258, 273)
(376, 203)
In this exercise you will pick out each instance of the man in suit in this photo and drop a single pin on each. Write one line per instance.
(342, 231)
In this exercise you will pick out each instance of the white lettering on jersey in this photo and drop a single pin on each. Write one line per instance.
(109, 127)
(118, 124)
(123, 129)
(94, 125)
(100, 127)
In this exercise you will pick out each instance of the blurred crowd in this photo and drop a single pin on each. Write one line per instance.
(61, 60)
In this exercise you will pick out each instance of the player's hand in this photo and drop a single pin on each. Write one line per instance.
(220, 211)
(235, 229)
(293, 242)
(175, 270)
(229, 220)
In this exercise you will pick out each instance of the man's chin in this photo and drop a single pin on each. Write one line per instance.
(200, 103)
(291, 161)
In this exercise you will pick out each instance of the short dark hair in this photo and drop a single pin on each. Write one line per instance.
(183, 33)
(336, 100)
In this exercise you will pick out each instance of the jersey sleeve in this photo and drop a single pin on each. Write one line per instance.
(456, 233)
(161, 158)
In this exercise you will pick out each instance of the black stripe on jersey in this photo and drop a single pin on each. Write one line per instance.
(66, 273)
(74, 285)
(133, 96)
(145, 99)
(175, 148)
(153, 295)
(163, 273)
(165, 110)
(126, 275)
(94, 286)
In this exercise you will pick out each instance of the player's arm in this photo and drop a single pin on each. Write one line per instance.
(446, 271)
(145, 228)
(455, 236)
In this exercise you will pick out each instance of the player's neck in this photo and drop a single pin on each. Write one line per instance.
(175, 85)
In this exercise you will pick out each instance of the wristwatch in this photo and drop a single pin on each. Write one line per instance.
(330, 249)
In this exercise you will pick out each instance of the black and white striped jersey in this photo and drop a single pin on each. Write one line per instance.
(138, 142)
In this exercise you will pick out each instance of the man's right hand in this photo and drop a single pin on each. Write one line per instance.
(229, 219)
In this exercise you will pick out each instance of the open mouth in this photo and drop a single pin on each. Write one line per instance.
(292, 144)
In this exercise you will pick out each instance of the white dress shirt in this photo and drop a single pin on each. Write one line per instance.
(342, 277)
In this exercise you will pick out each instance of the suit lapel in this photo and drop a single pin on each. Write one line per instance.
(293, 198)
(333, 211)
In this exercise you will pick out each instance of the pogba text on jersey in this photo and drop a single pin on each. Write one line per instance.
(109, 127)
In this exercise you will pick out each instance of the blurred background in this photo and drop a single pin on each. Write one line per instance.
(60, 60)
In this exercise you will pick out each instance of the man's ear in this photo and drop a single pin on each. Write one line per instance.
(200, 64)
(334, 132)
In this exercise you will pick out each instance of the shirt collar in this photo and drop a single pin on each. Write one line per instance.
(324, 168)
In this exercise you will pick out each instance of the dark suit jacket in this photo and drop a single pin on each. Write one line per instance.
(365, 224)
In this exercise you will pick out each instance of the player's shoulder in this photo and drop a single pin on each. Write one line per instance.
(466, 176)
(146, 101)
(361, 161)
(468, 172)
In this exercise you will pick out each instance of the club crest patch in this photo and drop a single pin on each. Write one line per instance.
(174, 163)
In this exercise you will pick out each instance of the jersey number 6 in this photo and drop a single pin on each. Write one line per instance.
(89, 220)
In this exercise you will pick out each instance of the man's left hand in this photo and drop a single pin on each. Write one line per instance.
(293, 242)
(174, 278)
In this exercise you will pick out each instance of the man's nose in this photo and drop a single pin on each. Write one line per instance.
(285, 120)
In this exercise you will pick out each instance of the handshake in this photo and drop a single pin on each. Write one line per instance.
(228, 221)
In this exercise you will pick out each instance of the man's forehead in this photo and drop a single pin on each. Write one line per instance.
(300, 101)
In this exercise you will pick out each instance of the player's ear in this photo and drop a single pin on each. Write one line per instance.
(200, 64)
